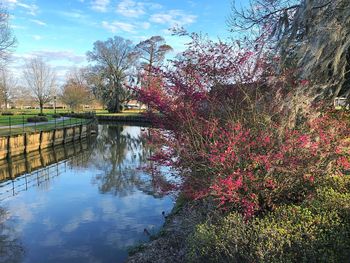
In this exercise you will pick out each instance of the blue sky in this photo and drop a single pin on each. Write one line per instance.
(62, 31)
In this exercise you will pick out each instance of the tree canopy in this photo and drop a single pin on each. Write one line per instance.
(113, 59)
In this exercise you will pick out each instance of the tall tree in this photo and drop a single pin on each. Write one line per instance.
(40, 80)
(152, 51)
(75, 91)
(312, 35)
(114, 59)
(7, 40)
(7, 87)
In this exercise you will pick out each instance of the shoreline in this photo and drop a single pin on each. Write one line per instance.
(169, 244)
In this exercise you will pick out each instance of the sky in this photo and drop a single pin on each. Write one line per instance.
(62, 31)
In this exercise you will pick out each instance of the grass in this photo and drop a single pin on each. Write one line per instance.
(17, 119)
(51, 111)
(44, 126)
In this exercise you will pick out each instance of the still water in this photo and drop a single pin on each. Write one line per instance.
(84, 202)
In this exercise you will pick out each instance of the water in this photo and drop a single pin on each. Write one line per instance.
(85, 202)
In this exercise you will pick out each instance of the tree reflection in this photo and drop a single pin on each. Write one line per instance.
(11, 249)
(120, 152)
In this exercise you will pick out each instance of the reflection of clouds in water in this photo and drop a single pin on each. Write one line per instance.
(25, 212)
(50, 225)
(53, 239)
(71, 226)
(76, 221)
(81, 253)
(85, 217)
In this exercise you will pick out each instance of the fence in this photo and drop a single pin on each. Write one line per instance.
(41, 176)
(18, 124)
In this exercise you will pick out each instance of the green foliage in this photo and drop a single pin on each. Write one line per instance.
(56, 115)
(7, 113)
(136, 249)
(85, 115)
(318, 230)
(37, 119)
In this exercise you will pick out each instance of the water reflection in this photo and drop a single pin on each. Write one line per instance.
(11, 249)
(120, 152)
(36, 169)
(84, 202)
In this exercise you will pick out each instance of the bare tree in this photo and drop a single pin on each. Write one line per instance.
(76, 90)
(7, 40)
(152, 51)
(7, 86)
(40, 80)
(22, 97)
(114, 59)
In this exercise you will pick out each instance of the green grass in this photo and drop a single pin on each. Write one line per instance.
(51, 111)
(17, 119)
(44, 126)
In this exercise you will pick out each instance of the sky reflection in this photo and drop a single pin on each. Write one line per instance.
(92, 209)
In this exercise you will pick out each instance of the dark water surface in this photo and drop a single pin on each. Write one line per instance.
(84, 202)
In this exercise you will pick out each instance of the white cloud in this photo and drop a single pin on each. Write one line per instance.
(32, 9)
(173, 17)
(117, 26)
(38, 22)
(100, 5)
(145, 25)
(130, 8)
(37, 37)
(73, 14)
(18, 27)
(54, 55)
(78, 17)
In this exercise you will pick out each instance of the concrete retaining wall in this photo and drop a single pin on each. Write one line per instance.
(3, 147)
(58, 137)
(77, 133)
(32, 142)
(22, 164)
(68, 134)
(29, 142)
(17, 144)
(47, 139)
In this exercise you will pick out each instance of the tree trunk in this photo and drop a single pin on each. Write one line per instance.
(41, 105)
(117, 106)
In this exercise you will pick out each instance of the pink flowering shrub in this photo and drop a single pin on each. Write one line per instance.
(227, 141)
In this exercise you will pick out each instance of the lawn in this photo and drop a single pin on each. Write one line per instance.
(17, 119)
(40, 126)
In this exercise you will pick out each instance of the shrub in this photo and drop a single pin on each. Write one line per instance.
(85, 115)
(7, 113)
(318, 230)
(229, 141)
(56, 115)
(37, 119)
(41, 114)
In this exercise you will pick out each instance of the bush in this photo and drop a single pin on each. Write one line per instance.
(56, 115)
(41, 114)
(318, 230)
(85, 115)
(37, 119)
(7, 113)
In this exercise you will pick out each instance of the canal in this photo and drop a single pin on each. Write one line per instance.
(84, 202)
